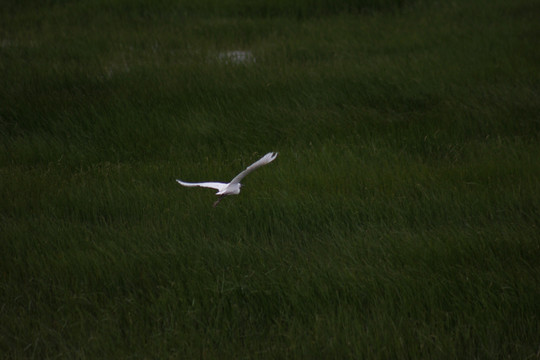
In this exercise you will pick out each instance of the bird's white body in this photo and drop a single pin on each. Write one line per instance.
(233, 187)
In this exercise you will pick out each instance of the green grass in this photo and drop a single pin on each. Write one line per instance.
(400, 220)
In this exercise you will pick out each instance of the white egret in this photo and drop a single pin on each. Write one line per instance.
(232, 188)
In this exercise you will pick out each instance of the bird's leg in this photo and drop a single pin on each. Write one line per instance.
(218, 200)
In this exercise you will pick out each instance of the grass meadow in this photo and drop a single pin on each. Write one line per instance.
(399, 221)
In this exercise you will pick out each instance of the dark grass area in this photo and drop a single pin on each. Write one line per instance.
(400, 219)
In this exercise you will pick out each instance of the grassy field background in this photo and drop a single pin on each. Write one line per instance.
(400, 220)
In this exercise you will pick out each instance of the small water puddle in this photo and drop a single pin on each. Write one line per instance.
(236, 57)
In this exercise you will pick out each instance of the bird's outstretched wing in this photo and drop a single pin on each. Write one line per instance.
(262, 161)
(211, 185)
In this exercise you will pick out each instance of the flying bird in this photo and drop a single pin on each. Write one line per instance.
(232, 188)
